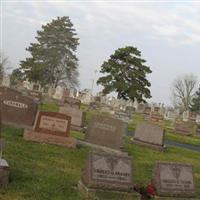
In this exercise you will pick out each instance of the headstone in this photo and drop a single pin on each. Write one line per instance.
(174, 179)
(155, 115)
(53, 123)
(108, 171)
(198, 119)
(198, 129)
(192, 116)
(130, 110)
(125, 117)
(77, 116)
(105, 131)
(58, 93)
(52, 128)
(34, 94)
(183, 128)
(140, 108)
(149, 135)
(17, 110)
(72, 102)
(4, 172)
(185, 116)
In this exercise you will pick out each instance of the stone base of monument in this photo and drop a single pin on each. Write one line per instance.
(173, 198)
(92, 193)
(76, 128)
(145, 144)
(102, 148)
(4, 172)
(31, 135)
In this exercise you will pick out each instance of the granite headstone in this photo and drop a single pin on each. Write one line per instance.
(174, 179)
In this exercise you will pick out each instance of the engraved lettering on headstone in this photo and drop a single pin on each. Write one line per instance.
(53, 124)
(15, 104)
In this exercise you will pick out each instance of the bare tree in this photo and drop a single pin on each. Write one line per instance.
(183, 90)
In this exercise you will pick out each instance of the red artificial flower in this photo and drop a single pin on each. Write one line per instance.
(151, 189)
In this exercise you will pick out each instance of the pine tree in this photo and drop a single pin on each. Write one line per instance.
(195, 107)
(53, 57)
(125, 73)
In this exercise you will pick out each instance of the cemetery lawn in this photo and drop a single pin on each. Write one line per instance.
(49, 172)
(194, 140)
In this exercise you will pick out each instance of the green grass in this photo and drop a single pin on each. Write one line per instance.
(41, 171)
(48, 172)
(49, 107)
(194, 140)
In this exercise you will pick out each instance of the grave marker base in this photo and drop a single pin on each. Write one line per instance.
(91, 193)
(102, 148)
(4, 173)
(31, 135)
(152, 146)
(173, 198)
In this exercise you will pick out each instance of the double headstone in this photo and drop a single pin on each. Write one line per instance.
(108, 172)
(52, 128)
(174, 179)
(17, 110)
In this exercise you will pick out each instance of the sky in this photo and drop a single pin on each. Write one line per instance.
(167, 34)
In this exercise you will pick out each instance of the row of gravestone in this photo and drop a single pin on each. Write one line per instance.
(54, 128)
(20, 110)
(115, 172)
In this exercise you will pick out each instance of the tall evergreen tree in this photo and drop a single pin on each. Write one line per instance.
(53, 57)
(195, 107)
(125, 73)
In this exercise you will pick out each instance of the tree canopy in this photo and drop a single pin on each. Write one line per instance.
(125, 73)
(195, 105)
(53, 57)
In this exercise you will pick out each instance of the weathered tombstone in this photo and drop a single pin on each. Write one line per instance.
(52, 128)
(125, 117)
(130, 110)
(140, 108)
(149, 135)
(192, 116)
(183, 128)
(198, 119)
(105, 131)
(146, 113)
(72, 102)
(155, 115)
(77, 121)
(198, 129)
(17, 110)
(107, 172)
(174, 180)
(185, 116)
(34, 94)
